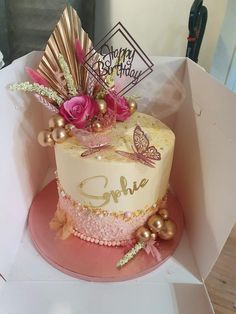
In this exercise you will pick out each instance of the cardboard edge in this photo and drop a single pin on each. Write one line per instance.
(192, 66)
(31, 59)
(208, 296)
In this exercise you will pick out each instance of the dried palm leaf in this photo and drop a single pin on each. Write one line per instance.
(63, 41)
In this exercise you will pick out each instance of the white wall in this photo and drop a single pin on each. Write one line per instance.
(226, 45)
(160, 26)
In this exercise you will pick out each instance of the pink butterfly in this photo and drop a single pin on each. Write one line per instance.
(142, 152)
(92, 141)
(151, 248)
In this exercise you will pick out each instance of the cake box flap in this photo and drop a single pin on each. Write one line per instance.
(75, 297)
(24, 163)
(204, 167)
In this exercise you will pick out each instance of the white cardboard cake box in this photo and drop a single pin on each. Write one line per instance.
(202, 115)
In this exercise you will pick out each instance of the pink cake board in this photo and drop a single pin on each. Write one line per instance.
(89, 261)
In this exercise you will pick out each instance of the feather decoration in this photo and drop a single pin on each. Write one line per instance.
(38, 89)
(151, 248)
(68, 77)
(62, 224)
(130, 254)
(46, 104)
(63, 41)
(62, 83)
(91, 79)
(36, 77)
(79, 52)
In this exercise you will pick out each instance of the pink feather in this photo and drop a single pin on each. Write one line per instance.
(80, 54)
(151, 248)
(36, 77)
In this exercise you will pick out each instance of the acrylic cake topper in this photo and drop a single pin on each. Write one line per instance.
(82, 84)
(119, 62)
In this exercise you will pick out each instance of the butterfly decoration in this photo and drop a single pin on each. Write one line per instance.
(142, 152)
(62, 223)
(151, 248)
(93, 150)
(93, 142)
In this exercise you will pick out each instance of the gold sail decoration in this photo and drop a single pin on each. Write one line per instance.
(62, 41)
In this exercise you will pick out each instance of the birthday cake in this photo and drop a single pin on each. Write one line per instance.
(113, 162)
(106, 195)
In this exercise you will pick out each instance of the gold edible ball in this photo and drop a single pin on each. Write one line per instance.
(59, 135)
(155, 223)
(102, 105)
(168, 231)
(69, 127)
(164, 213)
(153, 236)
(45, 138)
(56, 121)
(96, 126)
(132, 105)
(143, 234)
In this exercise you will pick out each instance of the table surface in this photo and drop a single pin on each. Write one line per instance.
(221, 283)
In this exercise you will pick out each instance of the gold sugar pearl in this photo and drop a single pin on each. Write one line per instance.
(143, 234)
(45, 138)
(153, 236)
(155, 223)
(132, 106)
(56, 121)
(164, 213)
(59, 134)
(102, 105)
(96, 126)
(168, 230)
(69, 129)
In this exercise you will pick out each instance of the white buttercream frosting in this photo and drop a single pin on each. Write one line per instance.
(86, 179)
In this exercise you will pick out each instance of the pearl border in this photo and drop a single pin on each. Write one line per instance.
(76, 233)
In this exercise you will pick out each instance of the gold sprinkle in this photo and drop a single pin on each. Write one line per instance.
(104, 213)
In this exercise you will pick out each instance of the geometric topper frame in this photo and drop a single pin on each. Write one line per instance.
(121, 60)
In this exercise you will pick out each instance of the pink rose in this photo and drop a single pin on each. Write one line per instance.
(79, 110)
(121, 105)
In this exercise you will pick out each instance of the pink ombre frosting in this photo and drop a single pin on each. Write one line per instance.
(122, 193)
(103, 230)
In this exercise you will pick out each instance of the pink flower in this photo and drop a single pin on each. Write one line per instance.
(79, 110)
(121, 105)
